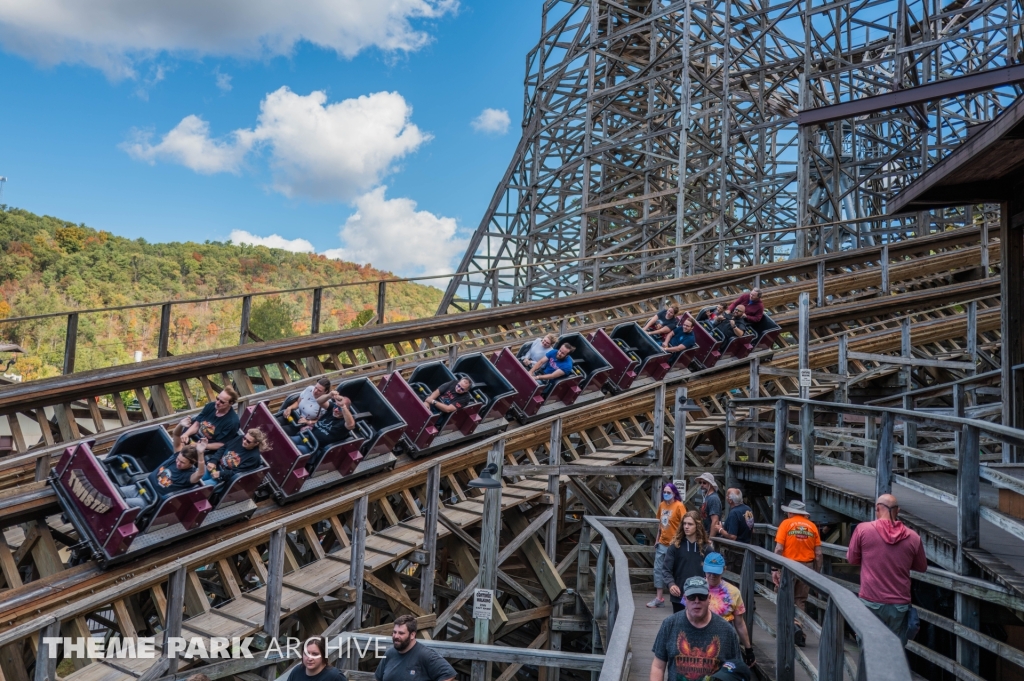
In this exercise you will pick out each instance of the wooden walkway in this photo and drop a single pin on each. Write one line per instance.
(994, 540)
(244, 615)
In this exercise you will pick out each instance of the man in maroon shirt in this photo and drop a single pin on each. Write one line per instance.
(754, 311)
(887, 550)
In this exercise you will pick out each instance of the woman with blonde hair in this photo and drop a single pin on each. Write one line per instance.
(239, 455)
(538, 349)
(685, 557)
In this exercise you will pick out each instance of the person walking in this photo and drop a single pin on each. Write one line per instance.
(670, 513)
(887, 550)
(696, 641)
(797, 539)
(726, 601)
(738, 526)
(711, 504)
(685, 557)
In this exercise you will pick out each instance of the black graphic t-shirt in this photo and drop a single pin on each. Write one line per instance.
(233, 459)
(215, 428)
(664, 322)
(167, 479)
(418, 663)
(693, 654)
(740, 522)
(447, 395)
(330, 430)
(328, 673)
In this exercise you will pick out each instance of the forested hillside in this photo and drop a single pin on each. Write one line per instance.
(49, 265)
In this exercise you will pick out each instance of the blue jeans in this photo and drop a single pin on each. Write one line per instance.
(302, 446)
(130, 494)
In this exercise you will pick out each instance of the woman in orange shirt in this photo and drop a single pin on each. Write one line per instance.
(670, 513)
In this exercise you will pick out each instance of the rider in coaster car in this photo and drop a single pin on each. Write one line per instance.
(538, 348)
(216, 423)
(732, 324)
(181, 472)
(307, 408)
(238, 456)
(337, 426)
(451, 396)
(682, 338)
(663, 323)
(556, 363)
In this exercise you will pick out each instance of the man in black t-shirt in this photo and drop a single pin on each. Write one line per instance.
(409, 660)
(451, 396)
(177, 474)
(694, 642)
(237, 456)
(738, 526)
(216, 423)
(335, 427)
(732, 325)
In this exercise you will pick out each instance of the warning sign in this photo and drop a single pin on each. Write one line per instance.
(805, 378)
(482, 599)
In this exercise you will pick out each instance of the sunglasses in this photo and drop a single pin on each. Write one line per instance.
(697, 597)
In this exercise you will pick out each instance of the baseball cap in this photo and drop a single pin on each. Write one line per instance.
(733, 670)
(695, 585)
(714, 563)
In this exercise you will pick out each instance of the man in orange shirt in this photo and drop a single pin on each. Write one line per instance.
(797, 539)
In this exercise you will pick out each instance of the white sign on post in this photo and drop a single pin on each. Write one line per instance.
(482, 600)
(681, 486)
(805, 378)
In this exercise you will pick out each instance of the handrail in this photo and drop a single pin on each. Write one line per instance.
(886, 662)
(620, 607)
(1012, 436)
(401, 280)
(68, 387)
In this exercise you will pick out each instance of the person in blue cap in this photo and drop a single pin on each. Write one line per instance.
(733, 670)
(725, 600)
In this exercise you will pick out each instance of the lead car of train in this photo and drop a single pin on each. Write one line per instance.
(391, 419)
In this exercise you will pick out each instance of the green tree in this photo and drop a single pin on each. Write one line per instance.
(271, 319)
(361, 319)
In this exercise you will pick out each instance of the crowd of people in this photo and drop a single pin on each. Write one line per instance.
(707, 608)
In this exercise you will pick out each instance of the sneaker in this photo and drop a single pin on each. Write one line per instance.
(656, 603)
(799, 638)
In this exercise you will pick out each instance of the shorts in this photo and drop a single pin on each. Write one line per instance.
(659, 563)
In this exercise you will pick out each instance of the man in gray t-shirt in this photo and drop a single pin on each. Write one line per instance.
(695, 641)
(409, 661)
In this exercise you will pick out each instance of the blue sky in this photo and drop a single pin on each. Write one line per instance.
(182, 121)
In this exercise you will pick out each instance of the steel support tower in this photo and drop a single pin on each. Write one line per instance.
(627, 155)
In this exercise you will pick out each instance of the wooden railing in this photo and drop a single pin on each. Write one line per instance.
(588, 266)
(613, 602)
(877, 452)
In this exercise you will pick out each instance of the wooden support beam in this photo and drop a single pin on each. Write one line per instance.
(46, 664)
(968, 609)
(883, 478)
(358, 552)
(275, 586)
(537, 558)
(430, 517)
(658, 441)
(554, 459)
(779, 469)
(175, 609)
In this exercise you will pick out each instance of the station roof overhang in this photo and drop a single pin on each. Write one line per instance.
(984, 169)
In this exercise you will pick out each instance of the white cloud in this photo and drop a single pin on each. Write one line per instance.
(392, 235)
(492, 122)
(240, 236)
(189, 144)
(334, 151)
(115, 35)
(316, 150)
(223, 81)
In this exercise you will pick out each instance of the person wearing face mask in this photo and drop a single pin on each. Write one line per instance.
(685, 557)
(670, 513)
(315, 665)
